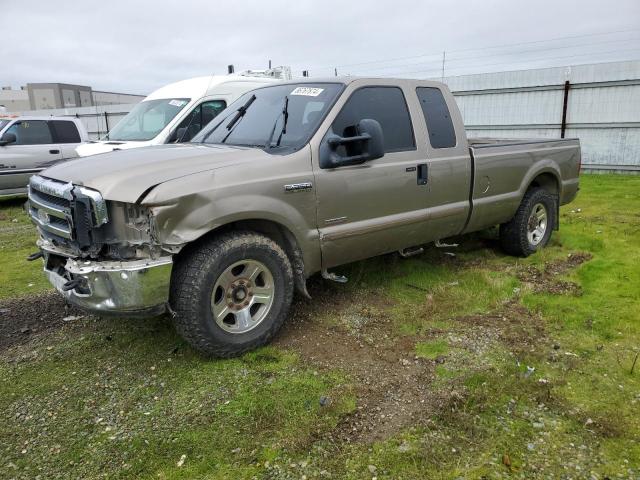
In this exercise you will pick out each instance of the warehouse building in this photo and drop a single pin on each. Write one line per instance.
(45, 96)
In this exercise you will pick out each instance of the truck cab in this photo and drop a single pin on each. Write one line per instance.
(29, 144)
(177, 112)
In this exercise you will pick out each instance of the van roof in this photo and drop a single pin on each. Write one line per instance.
(202, 86)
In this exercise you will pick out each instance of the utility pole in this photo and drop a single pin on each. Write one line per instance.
(269, 64)
(444, 56)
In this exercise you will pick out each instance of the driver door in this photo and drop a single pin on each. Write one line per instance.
(380, 205)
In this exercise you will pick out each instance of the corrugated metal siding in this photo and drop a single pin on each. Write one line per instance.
(603, 108)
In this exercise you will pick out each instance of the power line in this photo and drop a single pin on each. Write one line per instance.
(516, 52)
(438, 55)
(434, 72)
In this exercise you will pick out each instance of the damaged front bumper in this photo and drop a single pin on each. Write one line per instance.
(128, 287)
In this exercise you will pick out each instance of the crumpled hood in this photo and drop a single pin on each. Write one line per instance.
(126, 174)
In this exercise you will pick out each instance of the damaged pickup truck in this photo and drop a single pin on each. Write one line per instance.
(290, 180)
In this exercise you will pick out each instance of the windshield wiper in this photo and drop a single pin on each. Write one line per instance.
(241, 111)
(285, 115)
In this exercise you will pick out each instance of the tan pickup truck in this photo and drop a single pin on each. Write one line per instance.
(290, 180)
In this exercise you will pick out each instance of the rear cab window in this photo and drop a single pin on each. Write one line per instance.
(65, 131)
(388, 106)
(437, 117)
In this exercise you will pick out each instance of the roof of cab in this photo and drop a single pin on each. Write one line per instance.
(36, 117)
(202, 86)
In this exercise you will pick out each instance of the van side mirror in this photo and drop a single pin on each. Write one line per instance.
(8, 138)
(367, 144)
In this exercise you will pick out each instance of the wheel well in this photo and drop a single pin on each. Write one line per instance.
(548, 182)
(279, 234)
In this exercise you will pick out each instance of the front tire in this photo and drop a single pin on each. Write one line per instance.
(232, 293)
(531, 227)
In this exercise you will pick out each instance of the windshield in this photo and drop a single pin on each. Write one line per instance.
(278, 117)
(3, 123)
(147, 119)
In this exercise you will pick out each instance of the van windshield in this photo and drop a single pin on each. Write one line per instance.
(147, 119)
(3, 123)
(281, 117)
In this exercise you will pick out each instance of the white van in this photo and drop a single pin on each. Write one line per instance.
(176, 112)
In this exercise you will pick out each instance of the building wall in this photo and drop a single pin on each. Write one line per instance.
(14, 100)
(603, 108)
(110, 98)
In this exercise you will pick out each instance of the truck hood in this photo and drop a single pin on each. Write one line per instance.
(125, 175)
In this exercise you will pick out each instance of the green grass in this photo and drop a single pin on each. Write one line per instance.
(526, 383)
(17, 241)
(431, 350)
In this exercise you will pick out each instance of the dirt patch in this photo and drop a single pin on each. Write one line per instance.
(392, 384)
(514, 325)
(25, 319)
(546, 281)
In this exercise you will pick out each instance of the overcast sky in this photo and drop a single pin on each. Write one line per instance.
(136, 46)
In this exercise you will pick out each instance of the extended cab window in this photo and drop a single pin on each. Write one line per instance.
(199, 117)
(31, 132)
(65, 131)
(384, 104)
(436, 114)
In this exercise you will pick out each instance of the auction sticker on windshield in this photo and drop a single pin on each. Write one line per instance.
(307, 91)
(177, 103)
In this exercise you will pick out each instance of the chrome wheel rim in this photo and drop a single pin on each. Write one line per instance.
(537, 225)
(242, 296)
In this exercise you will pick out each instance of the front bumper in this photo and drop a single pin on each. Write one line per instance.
(131, 287)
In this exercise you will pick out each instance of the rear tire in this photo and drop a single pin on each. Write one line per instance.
(232, 293)
(531, 227)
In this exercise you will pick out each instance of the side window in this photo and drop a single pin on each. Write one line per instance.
(199, 117)
(384, 104)
(65, 131)
(436, 114)
(31, 132)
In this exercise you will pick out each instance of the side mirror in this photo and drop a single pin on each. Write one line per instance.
(8, 138)
(367, 144)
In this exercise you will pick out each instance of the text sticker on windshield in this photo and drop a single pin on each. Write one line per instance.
(177, 103)
(307, 91)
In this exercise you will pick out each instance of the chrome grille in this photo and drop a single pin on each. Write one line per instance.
(65, 210)
(50, 206)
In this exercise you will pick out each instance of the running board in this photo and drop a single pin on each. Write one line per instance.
(410, 252)
(334, 277)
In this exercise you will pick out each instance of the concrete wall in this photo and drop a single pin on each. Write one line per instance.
(603, 108)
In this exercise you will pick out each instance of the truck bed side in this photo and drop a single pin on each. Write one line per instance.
(503, 170)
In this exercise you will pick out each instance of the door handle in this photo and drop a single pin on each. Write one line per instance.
(423, 174)
(54, 152)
